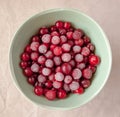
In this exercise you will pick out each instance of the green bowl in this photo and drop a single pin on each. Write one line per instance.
(79, 20)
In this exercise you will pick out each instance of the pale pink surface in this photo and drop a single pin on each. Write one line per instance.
(14, 12)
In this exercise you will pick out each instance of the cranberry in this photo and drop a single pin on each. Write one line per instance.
(42, 48)
(66, 68)
(76, 49)
(80, 90)
(58, 69)
(85, 83)
(34, 46)
(49, 63)
(66, 47)
(31, 80)
(52, 47)
(46, 38)
(86, 39)
(85, 51)
(35, 39)
(70, 42)
(69, 35)
(76, 73)
(61, 94)
(59, 24)
(49, 54)
(53, 28)
(41, 78)
(55, 40)
(48, 84)
(74, 85)
(87, 73)
(28, 49)
(57, 84)
(23, 64)
(41, 59)
(51, 77)
(62, 31)
(72, 63)
(57, 60)
(46, 71)
(59, 76)
(34, 56)
(68, 79)
(94, 60)
(35, 67)
(81, 65)
(55, 33)
(78, 58)
(66, 57)
(93, 68)
(79, 42)
(57, 51)
(43, 31)
(91, 47)
(38, 90)
(66, 87)
(50, 94)
(67, 25)
(28, 72)
(25, 57)
(77, 34)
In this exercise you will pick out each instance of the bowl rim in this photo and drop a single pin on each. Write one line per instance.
(50, 11)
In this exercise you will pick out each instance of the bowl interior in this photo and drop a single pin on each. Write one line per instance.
(79, 20)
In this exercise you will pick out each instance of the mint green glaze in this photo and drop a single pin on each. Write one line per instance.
(79, 20)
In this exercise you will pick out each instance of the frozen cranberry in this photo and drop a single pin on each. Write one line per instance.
(93, 68)
(72, 63)
(23, 64)
(35, 39)
(67, 25)
(57, 60)
(55, 40)
(62, 31)
(85, 83)
(94, 60)
(38, 90)
(49, 63)
(85, 51)
(31, 80)
(66, 47)
(50, 94)
(70, 42)
(46, 38)
(41, 59)
(57, 84)
(86, 39)
(59, 24)
(81, 65)
(28, 49)
(87, 73)
(66, 87)
(49, 54)
(59, 76)
(79, 42)
(80, 90)
(41, 78)
(55, 33)
(48, 84)
(52, 47)
(28, 72)
(69, 35)
(76, 73)
(61, 94)
(74, 85)
(35, 67)
(63, 39)
(91, 47)
(25, 57)
(42, 48)
(43, 31)
(34, 56)
(34, 46)
(57, 51)
(77, 34)
(76, 49)
(51, 77)
(66, 57)
(53, 28)
(46, 71)
(68, 79)
(58, 69)
(78, 58)
(66, 68)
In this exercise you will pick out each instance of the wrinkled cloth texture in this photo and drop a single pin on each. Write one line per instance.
(14, 12)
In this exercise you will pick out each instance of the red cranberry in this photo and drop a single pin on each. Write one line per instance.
(81, 65)
(77, 34)
(31, 80)
(74, 85)
(25, 57)
(34, 56)
(41, 59)
(50, 94)
(79, 42)
(49, 54)
(94, 60)
(52, 47)
(46, 71)
(23, 64)
(72, 63)
(85, 83)
(67, 25)
(78, 58)
(53, 28)
(42, 48)
(85, 51)
(49, 63)
(62, 31)
(87, 73)
(68, 79)
(61, 94)
(38, 90)
(70, 42)
(28, 72)
(93, 68)
(76, 73)
(66, 87)
(59, 24)
(59, 76)
(57, 60)
(48, 84)
(76, 49)
(57, 51)
(91, 47)
(69, 35)
(43, 31)
(28, 49)
(63, 39)
(41, 78)
(46, 38)
(55, 40)
(66, 47)
(80, 90)
(86, 39)
(35, 39)
(57, 84)
(58, 69)
(66, 68)
(55, 33)
(51, 77)
(35, 67)
(66, 57)
(34, 46)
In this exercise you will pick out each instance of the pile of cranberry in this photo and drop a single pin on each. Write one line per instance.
(59, 60)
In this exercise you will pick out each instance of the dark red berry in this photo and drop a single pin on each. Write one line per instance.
(61, 94)
(38, 90)
(94, 60)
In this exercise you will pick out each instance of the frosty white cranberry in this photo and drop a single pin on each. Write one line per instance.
(63, 39)
(34, 46)
(50, 94)
(68, 79)
(57, 84)
(77, 34)
(78, 58)
(59, 76)
(87, 73)
(49, 54)
(66, 87)
(57, 60)
(51, 77)
(66, 47)
(76, 73)
(41, 78)
(55, 40)
(81, 65)
(35, 67)
(85, 51)
(46, 71)
(49, 63)
(74, 85)
(46, 38)
(41, 59)
(76, 49)
(66, 57)
(42, 48)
